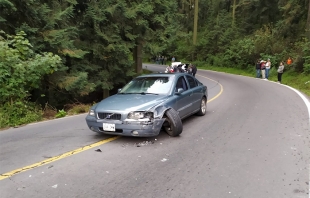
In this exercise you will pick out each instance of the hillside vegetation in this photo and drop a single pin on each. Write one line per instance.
(56, 55)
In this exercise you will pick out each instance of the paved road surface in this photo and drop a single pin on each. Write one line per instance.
(253, 143)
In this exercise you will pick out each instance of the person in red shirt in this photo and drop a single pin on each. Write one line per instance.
(289, 61)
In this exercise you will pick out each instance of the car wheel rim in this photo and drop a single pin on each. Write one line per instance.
(203, 106)
(168, 128)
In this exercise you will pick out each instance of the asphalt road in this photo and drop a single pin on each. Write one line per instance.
(253, 143)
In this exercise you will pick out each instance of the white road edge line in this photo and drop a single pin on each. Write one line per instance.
(308, 106)
(306, 101)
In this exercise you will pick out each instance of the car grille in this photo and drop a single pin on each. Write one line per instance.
(110, 116)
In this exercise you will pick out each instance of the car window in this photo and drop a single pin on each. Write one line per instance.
(191, 81)
(181, 83)
(148, 85)
(198, 82)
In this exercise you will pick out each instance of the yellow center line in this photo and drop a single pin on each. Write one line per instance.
(221, 86)
(58, 157)
(67, 154)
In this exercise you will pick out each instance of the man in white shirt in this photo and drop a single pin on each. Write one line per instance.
(268, 66)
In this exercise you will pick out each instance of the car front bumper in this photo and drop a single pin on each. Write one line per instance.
(126, 128)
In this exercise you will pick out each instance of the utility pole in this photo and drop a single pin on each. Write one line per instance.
(195, 22)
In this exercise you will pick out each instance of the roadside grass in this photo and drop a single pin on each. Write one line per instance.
(78, 109)
(290, 78)
(8, 120)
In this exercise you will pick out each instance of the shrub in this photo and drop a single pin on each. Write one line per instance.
(77, 108)
(61, 113)
(18, 113)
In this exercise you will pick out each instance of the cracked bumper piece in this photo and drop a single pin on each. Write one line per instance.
(126, 128)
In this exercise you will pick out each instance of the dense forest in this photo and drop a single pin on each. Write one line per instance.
(61, 52)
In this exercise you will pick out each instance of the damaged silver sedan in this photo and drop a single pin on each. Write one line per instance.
(148, 104)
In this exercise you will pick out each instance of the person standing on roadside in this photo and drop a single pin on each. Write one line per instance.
(289, 61)
(280, 72)
(173, 59)
(263, 67)
(258, 68)
(268, 66)
(162, 60)
(194, 70)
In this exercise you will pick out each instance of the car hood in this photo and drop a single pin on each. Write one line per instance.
(130, 102)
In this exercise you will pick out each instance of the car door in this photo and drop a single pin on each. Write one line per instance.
(197, 92)
(183, 105)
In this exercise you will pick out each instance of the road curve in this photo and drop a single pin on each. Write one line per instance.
(253, 142)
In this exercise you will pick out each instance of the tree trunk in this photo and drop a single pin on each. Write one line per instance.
(233, 13)
(195, 22)
(106, 93)
(137, 57)
(308, 22)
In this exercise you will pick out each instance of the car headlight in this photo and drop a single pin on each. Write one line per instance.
(136, 115)
(91, 112)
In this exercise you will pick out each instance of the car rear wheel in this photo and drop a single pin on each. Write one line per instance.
(203, 107)
(173, 125)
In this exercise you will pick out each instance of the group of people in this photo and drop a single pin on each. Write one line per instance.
(263, 69)
(160, 60)
(182, 68)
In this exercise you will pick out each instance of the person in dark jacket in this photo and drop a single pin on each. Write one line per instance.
(194, 70)
(258, 69)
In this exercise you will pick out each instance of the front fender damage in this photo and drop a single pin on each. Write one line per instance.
(159, 111)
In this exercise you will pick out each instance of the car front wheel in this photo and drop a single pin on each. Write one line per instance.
(173, 125)
(203, 107)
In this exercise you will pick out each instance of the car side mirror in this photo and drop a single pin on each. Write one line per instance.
(180, 90)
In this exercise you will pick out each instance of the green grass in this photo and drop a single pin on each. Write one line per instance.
(290, 78)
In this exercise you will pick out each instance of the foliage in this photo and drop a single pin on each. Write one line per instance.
(306, 56)
(61, 113)
(21, 69)
(74, 109)
(18, 113)
(76, 50)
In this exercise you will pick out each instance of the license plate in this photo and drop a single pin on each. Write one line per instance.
(108, 127)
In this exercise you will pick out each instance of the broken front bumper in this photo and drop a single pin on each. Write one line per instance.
(126, 127)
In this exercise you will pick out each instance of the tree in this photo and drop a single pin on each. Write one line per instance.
(308, 21)
(21, 69)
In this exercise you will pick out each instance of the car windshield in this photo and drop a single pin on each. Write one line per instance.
(148, 85)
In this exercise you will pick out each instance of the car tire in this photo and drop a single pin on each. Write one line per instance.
(203, 107)
(174, 126)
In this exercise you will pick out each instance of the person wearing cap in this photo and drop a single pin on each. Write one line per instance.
(268, 66)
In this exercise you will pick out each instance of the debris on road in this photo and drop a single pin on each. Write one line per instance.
(51, 166)
(21, 188)
(164, 159)
(98, 150)
(55, 186)
(144, 143)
